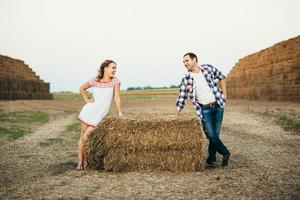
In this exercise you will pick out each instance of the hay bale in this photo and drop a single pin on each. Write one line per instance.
(146, 143)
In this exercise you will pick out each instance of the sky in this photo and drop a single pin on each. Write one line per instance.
(65, 41)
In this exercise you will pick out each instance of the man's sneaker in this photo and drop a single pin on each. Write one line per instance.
(225, 160)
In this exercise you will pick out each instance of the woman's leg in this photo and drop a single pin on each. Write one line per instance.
(85, 138)
(83, 128)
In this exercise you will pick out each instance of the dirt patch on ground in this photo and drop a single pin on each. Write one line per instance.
(264, 164)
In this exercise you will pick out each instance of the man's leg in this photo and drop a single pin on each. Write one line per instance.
(222, 149)
(218, 118)
(211, 122)
(212, 149)
(208, 128)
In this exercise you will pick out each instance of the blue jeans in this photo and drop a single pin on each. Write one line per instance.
(211, 122)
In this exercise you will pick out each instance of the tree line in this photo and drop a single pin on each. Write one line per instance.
(151, 88)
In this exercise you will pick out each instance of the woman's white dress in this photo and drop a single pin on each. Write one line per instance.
(92, 113)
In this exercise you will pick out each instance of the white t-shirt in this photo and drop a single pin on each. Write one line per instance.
(204, 94)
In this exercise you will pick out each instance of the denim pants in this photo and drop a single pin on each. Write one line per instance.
(211, 122)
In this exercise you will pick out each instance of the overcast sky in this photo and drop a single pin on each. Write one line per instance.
(65, 41)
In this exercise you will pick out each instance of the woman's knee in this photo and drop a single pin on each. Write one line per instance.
(86, 134)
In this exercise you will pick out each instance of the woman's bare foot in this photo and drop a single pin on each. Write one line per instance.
(80, 166)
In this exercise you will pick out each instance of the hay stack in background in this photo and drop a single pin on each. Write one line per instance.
(18, 81)
(146, 143)
(272, 74)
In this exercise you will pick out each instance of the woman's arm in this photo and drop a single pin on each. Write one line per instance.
(117, 99)
(82, 91)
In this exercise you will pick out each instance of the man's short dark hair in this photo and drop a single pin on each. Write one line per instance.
(192, 55)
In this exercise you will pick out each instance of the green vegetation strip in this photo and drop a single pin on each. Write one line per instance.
(289, 121)
(147, 93)
(25, 117)
(13, 133)
(69, 96)
(18, 123)
(75, 127)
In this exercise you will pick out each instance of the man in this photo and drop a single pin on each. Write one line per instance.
(200, 83)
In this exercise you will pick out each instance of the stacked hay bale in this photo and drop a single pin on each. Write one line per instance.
(146, 143)
(18, 81)
(270, 74)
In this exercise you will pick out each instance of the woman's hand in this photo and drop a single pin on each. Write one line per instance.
(89, 100)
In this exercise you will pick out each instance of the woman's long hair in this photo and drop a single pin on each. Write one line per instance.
(102, 67)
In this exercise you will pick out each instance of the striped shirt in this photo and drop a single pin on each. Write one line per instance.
(187, 88)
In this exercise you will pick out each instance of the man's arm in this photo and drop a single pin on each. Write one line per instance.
(223, 88)
(218, 74)
(180, 103)
(222, 82)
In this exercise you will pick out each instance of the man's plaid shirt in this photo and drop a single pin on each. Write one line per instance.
(187, 88)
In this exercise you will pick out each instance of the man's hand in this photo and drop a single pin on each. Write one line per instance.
(188, 89)
(225, 96)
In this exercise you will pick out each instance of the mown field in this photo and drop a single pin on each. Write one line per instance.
(38, 149)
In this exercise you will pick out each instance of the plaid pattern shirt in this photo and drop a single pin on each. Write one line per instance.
(187, 88)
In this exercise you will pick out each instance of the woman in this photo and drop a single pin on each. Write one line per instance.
(105, 89)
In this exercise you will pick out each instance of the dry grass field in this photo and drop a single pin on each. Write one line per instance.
(38, 152)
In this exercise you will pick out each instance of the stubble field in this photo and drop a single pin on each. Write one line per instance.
(38, 152)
